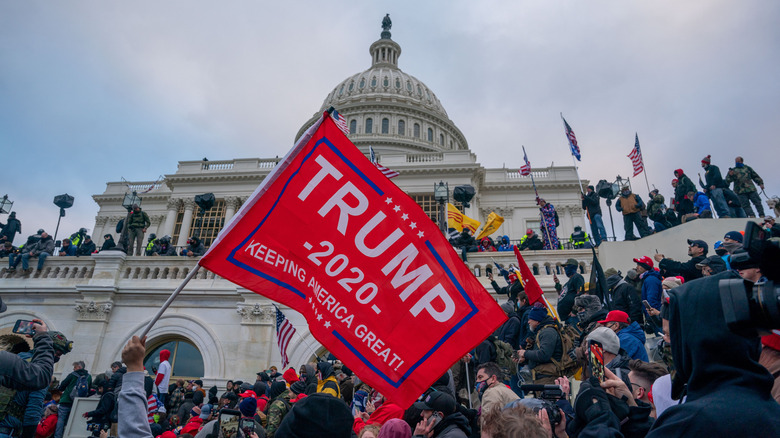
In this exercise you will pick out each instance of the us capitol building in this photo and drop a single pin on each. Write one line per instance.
(217, 330)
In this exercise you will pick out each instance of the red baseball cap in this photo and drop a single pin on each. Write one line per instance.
(248, 393)
(644, 260)
(616, 316)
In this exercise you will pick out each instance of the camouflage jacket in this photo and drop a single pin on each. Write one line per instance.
(276, 412)
(743, 178)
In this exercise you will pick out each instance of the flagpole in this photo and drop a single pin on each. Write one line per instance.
(170, 300)
(644, 168)
(541, 214)
(579, 180)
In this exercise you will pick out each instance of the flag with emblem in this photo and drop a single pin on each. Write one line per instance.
(329, 236)
(459, 221)
(284, 332)
(636, 157)
(341, 122)
(525, 169)
(575, 149)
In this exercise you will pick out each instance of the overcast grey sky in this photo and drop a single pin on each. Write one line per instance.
(94, 91)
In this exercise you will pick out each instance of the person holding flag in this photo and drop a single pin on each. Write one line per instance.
(549, 224)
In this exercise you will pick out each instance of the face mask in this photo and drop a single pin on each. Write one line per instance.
(739, 164)
(481, 387)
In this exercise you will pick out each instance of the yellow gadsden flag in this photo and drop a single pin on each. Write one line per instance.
(493, 222)
(458, 220)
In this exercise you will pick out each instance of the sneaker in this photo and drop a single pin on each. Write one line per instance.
(11, 269)
(28, 271)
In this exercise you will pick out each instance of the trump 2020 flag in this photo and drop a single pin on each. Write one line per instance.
(379, 285)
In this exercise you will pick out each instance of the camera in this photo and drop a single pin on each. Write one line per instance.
(752, 309)
(545, 397)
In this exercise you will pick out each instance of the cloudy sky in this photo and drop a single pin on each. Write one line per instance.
(94, 91)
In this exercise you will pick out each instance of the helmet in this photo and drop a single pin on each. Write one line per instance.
(152, 236)
(61, 343)
(82, 231)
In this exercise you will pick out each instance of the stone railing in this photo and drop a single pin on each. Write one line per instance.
(216, 165)
(424, 158)
(534, 173)
(55, 268)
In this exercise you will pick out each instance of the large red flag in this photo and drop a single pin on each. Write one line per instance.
(532, 288)
(331, 237)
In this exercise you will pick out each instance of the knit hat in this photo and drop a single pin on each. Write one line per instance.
(610, 272)
(608, 339)
(675, 181)
(298, 387)
(318, 415)
(707, 159)
(507, 308)
(588, 302)
(395, 428)
(631, 274)
(195, 412)
(248, 407)
(260, 388)
(245, 386)
(230, 395)
(671, 282)
(205, 411)
(537, 313)
(734, 235)
(276, 389)
(290, 376)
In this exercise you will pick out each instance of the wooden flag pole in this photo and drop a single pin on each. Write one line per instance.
(170, 300)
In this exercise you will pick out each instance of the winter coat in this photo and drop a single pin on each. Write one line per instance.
(108, 244)
(68, 251)
(510, 291)
(712, 177)
(570, 290)
(139, 220)
(509, 331)
(632, 339)
(623, 296)
(728, 391)
(533, 243)
(116, 378)
(11, 227)
(743, 178)
(687, 270)
(44, 245)
(701, 203)
(485, 245)
(17, 374)
(103, 410)
(684, 185)
(592, 204)
(549, 345)
(505, 245)
(498, 395)
(452, 426)
(86, 248)
(47, 427)
(197, 250)
(167, 250)
(69, 383)
(652, 288)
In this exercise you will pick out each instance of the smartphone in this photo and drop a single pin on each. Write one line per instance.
(596, 360)
(434, 419)
(24, 327)
(647, 305)
(229, 422)
(247, 425)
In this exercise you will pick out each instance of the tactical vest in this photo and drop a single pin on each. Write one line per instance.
(629, 204)
(7, 404)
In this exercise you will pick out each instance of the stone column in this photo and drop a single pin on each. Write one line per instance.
(170, 217)
(231, 205)
(155, 228)
(184, 234)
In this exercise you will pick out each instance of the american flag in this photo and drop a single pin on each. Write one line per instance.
(575, 150)
(341, 122)
(385, 171)
(525, 169)
(636, 158)
(284, 332)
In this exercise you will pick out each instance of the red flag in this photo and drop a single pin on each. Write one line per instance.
(379, 285)
(532, 288)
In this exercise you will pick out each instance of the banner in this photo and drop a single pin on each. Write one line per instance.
(380, 287)
(458, 220)
(531, 286)
(491, 225)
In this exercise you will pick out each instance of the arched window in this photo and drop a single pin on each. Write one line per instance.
(186, 361)
(369, 125)
(385, 126)
(430, 134)
(417, 130)
(441, 139)
(397, 83)
(352, 126)
(362, 82)
(401, 127)
(373, 81)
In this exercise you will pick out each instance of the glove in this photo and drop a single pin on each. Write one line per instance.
(592, 401)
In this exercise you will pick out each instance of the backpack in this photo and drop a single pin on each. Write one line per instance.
(504, 353)
(81, 388)
(568, 365)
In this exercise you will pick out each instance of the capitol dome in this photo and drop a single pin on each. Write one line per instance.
(391, 110)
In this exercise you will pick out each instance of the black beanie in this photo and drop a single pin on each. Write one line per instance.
(197, 398)
(276, 389)
(320, 415)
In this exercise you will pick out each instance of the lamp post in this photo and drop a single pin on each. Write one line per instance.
(441, 193)
(131, 198)
(205, 202)
(63, 202)
(5, 205)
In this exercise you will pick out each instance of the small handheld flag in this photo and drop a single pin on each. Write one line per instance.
(284, 332)
(575, 149)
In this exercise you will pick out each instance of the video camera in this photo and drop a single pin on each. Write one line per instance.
(546, 397)
(753, 309)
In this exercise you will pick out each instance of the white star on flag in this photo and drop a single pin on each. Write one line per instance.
(420, 234)
(413, 225)
(404, 216)
(397, 208)
(319, 317)
(389, 201)
(327, 324)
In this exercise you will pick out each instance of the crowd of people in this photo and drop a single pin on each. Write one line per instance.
(671, 367)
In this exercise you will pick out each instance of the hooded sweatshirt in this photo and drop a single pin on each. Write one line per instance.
(728, 391)
(632, 339)
(328, 384)
(163, 372)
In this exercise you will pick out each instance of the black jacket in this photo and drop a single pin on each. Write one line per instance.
(570, 290)
(728, 391)
(108, 244)
(712, 177)
(672, 268)
(103, 410)
(533, 243)
(510, 291)
(509, 331)
(15, 373)
(452, 426)
(116, 379)
(86, 248)
(623, 296)
(549, 346)
(684, 185)
(592, 203)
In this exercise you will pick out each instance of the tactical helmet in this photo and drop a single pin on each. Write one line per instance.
(61, 343)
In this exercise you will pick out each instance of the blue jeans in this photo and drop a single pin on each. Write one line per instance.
(597, 229)
(26, 260)
(13, 260)
(719, 201)
(62, 420)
